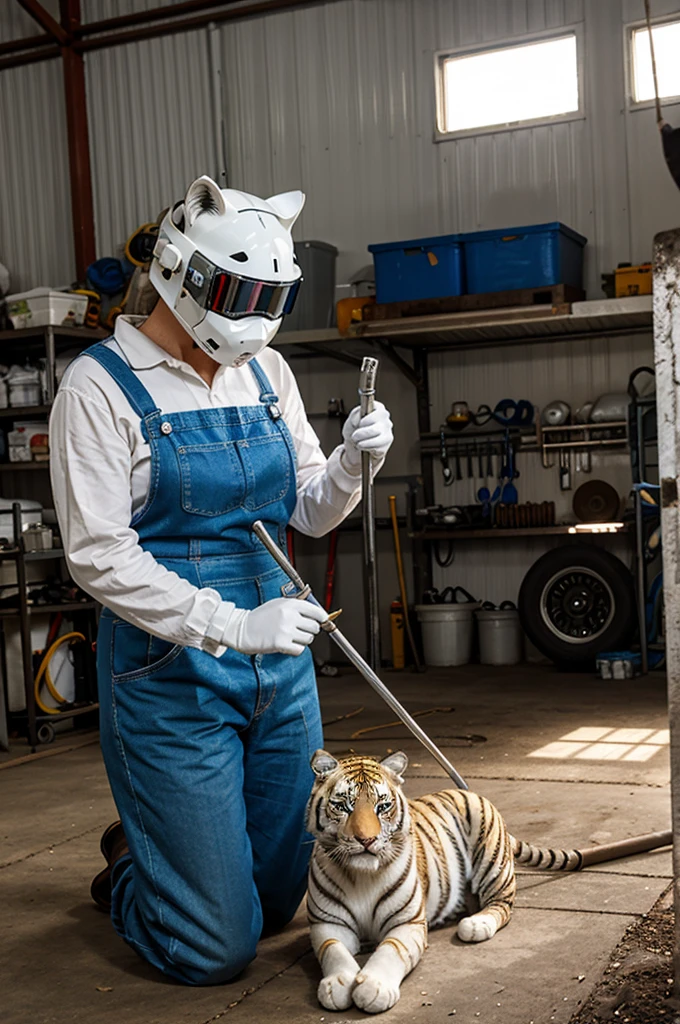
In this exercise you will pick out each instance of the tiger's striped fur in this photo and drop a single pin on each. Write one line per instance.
(384, 868)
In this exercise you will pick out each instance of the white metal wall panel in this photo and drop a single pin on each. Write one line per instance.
(15, 23)
(36, 237)
(152, 129)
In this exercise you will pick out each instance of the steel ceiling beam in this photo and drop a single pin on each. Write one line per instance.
(80, 173)
(27, 43)
(172, 27)
(43, 17)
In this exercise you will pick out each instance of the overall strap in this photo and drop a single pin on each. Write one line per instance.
(267, 396)
(125, 377)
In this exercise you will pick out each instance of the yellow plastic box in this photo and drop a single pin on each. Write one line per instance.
(634, 280)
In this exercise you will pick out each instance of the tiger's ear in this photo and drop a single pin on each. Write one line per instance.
(323, 763)
(397, 763)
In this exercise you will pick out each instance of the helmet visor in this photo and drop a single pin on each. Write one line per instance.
(233, 296)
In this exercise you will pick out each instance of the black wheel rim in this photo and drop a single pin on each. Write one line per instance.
(577, 605)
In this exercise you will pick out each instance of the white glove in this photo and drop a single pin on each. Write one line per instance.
(372, 433)
(283, 625)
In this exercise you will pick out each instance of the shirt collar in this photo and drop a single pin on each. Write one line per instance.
(142, 353)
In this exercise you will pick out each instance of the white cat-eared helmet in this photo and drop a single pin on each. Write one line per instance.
(225, 265)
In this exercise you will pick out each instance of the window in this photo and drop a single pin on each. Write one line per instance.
(508, 87)
(666, 49)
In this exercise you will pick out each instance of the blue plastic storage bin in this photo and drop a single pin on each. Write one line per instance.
(422, 268)
(531, 256)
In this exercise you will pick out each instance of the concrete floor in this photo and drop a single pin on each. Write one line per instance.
(60, 961)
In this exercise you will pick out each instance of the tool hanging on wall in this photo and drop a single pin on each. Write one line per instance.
(444, 459)
(369, 372)
(402, 581)
(299, 590)
(670, 137)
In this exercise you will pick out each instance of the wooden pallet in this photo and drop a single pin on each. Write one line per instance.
(554, 295)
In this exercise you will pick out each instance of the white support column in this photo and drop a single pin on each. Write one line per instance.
(667, 357)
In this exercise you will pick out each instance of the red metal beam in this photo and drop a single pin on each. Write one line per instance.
(18, 61)
(187, 24)
(45, 20)
(82, 207)
(142, 17)
(28, 43)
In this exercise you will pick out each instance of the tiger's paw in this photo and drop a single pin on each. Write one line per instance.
(477, 928)
(335, 991)
(372, 994)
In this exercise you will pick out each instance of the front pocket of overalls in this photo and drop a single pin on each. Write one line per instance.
(213, 478)
(136, 653)
(267, 464)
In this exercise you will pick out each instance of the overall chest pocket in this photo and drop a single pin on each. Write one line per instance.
(213, 479)
(267, 465)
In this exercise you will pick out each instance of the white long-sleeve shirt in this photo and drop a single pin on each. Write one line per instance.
(100, 469)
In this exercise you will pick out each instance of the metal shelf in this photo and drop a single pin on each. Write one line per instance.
(511, 326)
(499, 533)
(25, 410)
(31, 556)
(67, 606)
(24, 333)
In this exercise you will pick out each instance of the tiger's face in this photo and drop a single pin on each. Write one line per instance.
(357, 811)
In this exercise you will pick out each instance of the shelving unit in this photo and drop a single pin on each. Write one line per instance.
(407, 343)
(15, 346)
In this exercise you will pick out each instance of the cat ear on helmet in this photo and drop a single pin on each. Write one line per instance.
(287, 206)
(323, 763)
(203, 196)
(397, 763)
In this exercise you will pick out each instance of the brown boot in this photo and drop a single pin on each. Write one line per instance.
(113, 846)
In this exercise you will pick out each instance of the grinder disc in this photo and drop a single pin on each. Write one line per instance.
(596, 501)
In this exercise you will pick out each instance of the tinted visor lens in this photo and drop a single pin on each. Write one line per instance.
(237, 297)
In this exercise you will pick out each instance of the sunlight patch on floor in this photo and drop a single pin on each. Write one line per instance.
(602, 743)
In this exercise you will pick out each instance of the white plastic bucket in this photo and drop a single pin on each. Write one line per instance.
(500, 636)
(447, 633)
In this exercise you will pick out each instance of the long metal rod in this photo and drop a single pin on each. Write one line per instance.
(369, 372)
(364, 668)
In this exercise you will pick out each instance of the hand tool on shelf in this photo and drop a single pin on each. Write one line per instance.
(301, 591)
(480, 461)
(470, 470)
(369, 372)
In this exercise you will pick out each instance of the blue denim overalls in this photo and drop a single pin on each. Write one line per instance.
(208, 758)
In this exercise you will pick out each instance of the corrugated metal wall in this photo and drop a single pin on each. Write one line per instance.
(338, 99)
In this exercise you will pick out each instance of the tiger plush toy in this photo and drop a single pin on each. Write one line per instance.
(385, 868)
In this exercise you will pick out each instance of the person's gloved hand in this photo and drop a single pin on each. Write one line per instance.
(284, 625)
(372, 433)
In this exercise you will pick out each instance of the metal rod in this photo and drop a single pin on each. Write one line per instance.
(356, 659)
(369, 372)
(657, 102)
(624, 848)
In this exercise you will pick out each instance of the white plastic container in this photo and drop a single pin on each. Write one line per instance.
(25, 389)
(43, 307)
(447, 633)
(31, 512)
(500, 636)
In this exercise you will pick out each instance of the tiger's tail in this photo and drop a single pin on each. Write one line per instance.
(545, 859)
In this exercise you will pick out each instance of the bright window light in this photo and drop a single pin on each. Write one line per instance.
(600, 743)
(666, 48)
(510, 85)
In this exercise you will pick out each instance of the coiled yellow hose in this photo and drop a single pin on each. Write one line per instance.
(44, 671)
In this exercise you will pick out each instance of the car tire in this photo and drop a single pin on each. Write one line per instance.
(577, 601)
